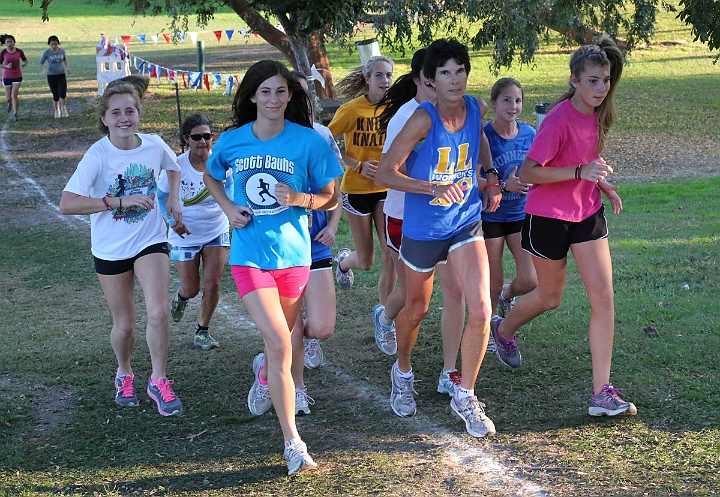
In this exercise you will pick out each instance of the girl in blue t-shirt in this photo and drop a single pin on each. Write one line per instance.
(509, 141)
(274, 153)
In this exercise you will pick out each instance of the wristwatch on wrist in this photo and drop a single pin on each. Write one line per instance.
(492, 170)
(503, 184)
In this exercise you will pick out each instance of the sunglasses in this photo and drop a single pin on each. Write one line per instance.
(198, 136)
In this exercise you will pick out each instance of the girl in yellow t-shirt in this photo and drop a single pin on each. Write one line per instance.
(362, 199)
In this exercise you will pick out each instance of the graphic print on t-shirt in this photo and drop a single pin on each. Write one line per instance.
(447, 172)
(259, 175)
(193, 194)
(138, 180)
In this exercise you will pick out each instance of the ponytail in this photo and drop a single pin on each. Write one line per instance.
(604, 54)
(354, 84)
(402, 91)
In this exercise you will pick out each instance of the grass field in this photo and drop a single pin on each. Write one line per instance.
(61, 434)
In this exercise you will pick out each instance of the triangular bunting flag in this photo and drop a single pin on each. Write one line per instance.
(218, 35)
(181, 36)
(167, 37)
(126, 40)
(154, 38)
(243, 32)
(141, 38)
(193, 36)
(206, 80)
(229, 33)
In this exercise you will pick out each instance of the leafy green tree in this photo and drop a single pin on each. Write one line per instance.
(514, 28)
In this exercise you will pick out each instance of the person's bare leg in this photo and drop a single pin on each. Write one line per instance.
(452, 320)
(595, 266)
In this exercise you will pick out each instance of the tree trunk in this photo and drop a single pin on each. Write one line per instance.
(314, 53)
(261, 26)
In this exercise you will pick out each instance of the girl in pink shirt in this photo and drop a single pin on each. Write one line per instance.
(564, 211)
(11, 61)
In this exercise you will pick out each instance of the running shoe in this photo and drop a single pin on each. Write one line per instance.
(385, 337)
(506, 352)
(302, 402)
(204, 340)
(344, 279)
(609, 403)
(125, 391)
(504, 305)
(162, 393)
(313, 353)
(297, 457)
(177, 306)
(472, 412)
(57, 115)
(64, 113)
(259, 397)
(9, 109)
(447, 381)
(402, 398)
(15, 117)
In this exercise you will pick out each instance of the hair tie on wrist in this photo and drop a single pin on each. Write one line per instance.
(106, 204)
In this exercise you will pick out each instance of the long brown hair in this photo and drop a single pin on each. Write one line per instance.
(245, 111)
(605, 53)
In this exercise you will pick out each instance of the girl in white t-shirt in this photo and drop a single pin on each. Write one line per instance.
(204, 233)
(116, 183)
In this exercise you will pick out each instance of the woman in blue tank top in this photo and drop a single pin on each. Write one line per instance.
(440, 146)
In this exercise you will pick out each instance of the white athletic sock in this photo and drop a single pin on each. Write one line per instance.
(463, 393)
(384, 320)
(405, 376)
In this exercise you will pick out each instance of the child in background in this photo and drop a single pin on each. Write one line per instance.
(509, 141)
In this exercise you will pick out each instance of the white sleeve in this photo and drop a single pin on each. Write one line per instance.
(86, 173)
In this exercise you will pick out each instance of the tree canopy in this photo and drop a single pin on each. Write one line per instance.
(512, 28)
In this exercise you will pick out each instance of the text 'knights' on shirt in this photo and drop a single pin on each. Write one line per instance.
(264, 162)
(367, 132)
